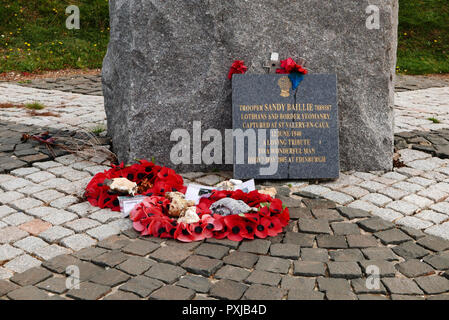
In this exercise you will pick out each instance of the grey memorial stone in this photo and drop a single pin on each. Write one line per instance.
(306, 121)
(167, 63)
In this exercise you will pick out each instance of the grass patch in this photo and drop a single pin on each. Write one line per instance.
(34, 106)
(98, 129)
(423, 36)
(434, 120)
(33, 36)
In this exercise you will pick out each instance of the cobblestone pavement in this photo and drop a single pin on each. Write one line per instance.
(325, 253)
(45, 225)
(408, 83)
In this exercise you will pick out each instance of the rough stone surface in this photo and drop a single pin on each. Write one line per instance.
(218, 33)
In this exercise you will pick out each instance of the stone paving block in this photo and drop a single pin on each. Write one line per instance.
(412, 232)
(17, 219)
(25, 204)
(331, 242)
(165, 272)
(110, 278)
(82, 224)
(64, 202)
(55, 233)
(300, 213)
(5, 210)
(141, 286)
(24, 171)
(403, 207)
(40, 176)
(54, 285)
(393, 193)
(340, 296)
(272, 264)
(172, 293)
(232, 273)
(5, 274)
(136, 265)
(438, 262)
(330, 215)
(375, 225)
(82, 209)
(363, 205)
(7, 286)
(387, 214)
(372, 186)
(353, 213)
(355, 191)
(402, 286)
(377, 199)
(46, 165)
(285, 250)
(78, 241)
(186, 246)
(338, 197)
(22, 263)
(51, 251)
(346, 255)
(366, 286)
(296, 294)
(297, 283)
(170, 255)
(114, 242)
(263, 277)
(121, 295)
(241, 259)
(28, 293)
(344, 228)
(386, 268)
(59, 217)
(105, 215)
(301, 239)
(257, 246)
(361, 241)
(262, 292)
(35, 226)
(8, 252)
(433, 284)
(11, 234)
(30, 244)
(48, 195)
(410, 250)
(202, 265)
(110, 259)
(14, 184)
(9, 197)
(140, 247)
(31, 276)
(433, 194)
(228, 290)
(441, 230)
(316, 189)
(414, 268)
(314, 226)
(87, 271)
(346, 270)
(333, 285)
(392, 236)
(88, 291)
(432, 216)
(319, 203)
(314, 254)
(414, 222)
(195, 283)
(60, 263)
(309, 268)
(419, 201)
(42, 211)
(212, 250)
(103, 232)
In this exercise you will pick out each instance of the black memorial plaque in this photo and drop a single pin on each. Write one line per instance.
(306, 121)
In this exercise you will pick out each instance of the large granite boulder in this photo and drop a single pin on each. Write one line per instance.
(167, 65)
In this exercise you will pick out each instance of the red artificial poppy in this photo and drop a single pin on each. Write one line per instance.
(250, 230)
(289, 66)
(211, 224)
(262, 228)
(274, 228)
(189, 232)
(236, 226)
(238, 66)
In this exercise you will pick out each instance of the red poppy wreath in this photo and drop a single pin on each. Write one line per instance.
(154, 215)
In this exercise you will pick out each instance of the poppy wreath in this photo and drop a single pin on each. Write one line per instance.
(150, 218)
(158, 179)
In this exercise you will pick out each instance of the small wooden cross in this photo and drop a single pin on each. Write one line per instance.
(273, 63)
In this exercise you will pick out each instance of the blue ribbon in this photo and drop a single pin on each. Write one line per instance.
(295, 78)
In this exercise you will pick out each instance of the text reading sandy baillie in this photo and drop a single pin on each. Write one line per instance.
(239, 310)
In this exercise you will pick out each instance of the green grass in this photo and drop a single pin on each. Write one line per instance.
(98, 129)
(434, 120)
(34, 106)
(33, 36)
(423, 36)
